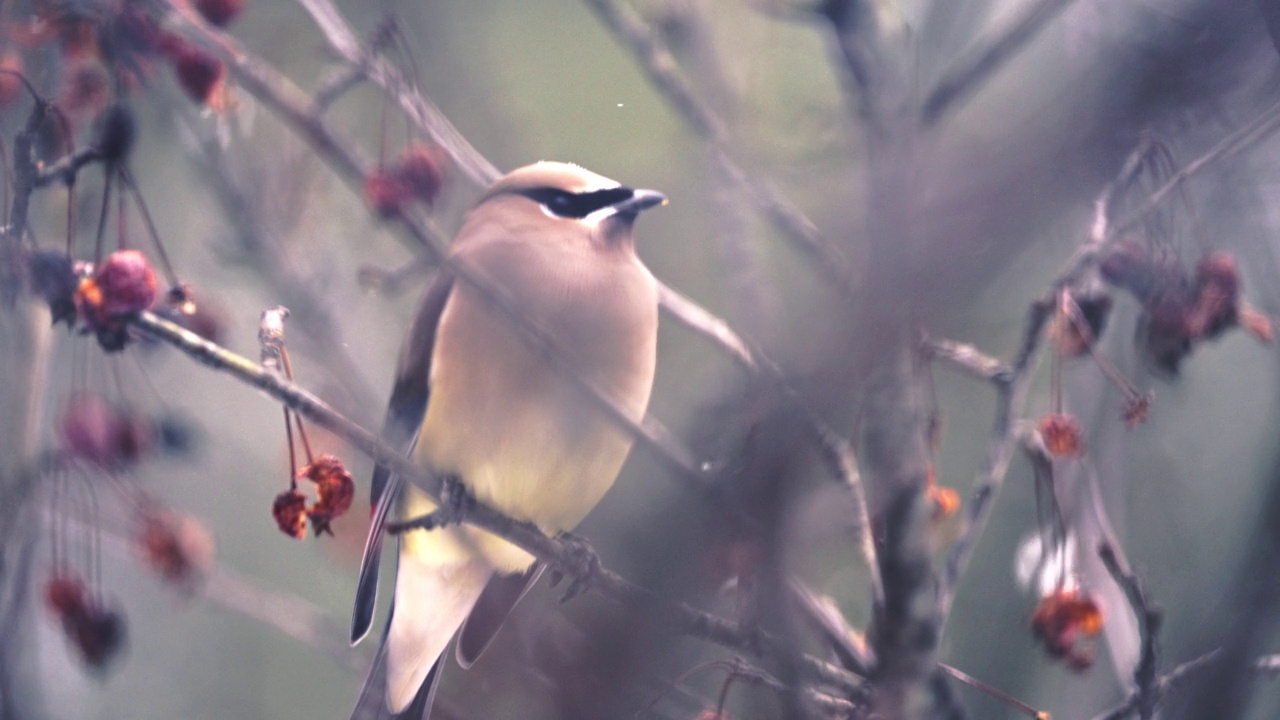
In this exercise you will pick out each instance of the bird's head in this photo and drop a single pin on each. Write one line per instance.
(568, 196)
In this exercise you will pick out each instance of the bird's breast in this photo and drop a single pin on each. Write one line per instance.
(503, 417)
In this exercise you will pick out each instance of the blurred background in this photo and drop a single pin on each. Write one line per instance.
(999, 195)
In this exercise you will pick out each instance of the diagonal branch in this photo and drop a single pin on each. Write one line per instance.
(282, 96)
(659, 64)
(527, 536)
(977, 65)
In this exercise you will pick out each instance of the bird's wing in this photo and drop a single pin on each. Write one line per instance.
(500, 595)
(372, 703)
(400, 428)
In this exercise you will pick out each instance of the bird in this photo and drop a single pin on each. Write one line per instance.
(473, 401)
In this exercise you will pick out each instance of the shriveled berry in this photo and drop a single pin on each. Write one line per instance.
(1061, 433)
(1067, 622)
(290, 512)
(335, 491)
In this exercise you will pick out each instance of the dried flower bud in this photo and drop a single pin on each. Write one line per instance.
(219, 12)
(1061, 434)
(1067, 622)
(290, 513)
(1136, 410)
(335, 491)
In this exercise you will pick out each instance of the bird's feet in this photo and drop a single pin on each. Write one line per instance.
(455, 502)
(580, 562)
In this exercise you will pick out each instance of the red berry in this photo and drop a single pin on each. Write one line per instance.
(334, 490)
(419, 169)
(386, 192)
(101, 433)
(10, 84)
(127, 283)
(219, 12)
(65, 595)
(198, 72)
(1061, 434)
(290, 512)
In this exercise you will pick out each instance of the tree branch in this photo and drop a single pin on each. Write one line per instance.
(976, 66)
(523, 534)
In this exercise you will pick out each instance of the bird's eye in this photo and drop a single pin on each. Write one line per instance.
(560, 203)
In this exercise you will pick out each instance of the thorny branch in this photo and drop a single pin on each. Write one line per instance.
(527, 536)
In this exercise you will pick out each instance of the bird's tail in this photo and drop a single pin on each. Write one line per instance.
(431, 601)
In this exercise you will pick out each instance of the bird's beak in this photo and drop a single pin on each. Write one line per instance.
(640, 200)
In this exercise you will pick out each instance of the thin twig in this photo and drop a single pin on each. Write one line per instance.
(1146, 686)
(978, 65)
(658, 63)
(523, 534)
(387, 76)
(1267, 122)
(969, 359)
(1012, 398)
(279, 93)
(993, 691)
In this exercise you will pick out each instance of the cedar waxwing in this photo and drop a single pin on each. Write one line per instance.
(473, 401)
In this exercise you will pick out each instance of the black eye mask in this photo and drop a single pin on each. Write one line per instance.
(566, 204)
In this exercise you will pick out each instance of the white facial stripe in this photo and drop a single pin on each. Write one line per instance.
(597, 216)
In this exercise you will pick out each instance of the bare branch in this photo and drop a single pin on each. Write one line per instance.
(660, 65)
(968, 359)
(1257, 130)
(281, 95)
(1147, 689)
(386, 75)
(1012, 397)
(524, 534)
(976, 66)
